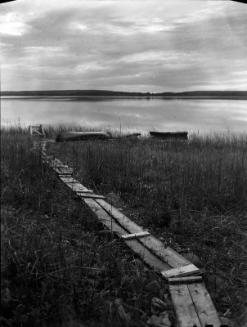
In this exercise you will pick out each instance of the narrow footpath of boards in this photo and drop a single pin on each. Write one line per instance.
(192, 302)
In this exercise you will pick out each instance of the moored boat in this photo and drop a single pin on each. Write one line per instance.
(82, 136)
(170, 135)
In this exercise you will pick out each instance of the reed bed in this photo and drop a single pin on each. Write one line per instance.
(192, 195)
(59, 267)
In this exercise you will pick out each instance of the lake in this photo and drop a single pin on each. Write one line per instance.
(199, 116)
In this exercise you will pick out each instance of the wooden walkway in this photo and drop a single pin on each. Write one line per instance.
(192, 302)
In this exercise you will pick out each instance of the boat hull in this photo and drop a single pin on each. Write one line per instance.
(170, 135)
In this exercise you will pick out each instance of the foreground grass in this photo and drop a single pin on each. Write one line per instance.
(59, 267)
(191, 194)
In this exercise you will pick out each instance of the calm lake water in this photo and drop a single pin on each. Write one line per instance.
(203, 116)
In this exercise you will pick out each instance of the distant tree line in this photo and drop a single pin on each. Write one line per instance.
(95, 93)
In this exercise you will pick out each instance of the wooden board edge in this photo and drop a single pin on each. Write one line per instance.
(187, 270)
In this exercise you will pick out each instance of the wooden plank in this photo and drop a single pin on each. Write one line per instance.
(87, 190)
(74, 185)
(184, 307)
(181, 271)
(63, 170)
(185, 280)
(120, 217)
(69, 180)
(57, 163)
(78, 188)
(59, 166)
(136, 235)
(165, 253)
(103, 217)
(64, 174)
(204, 305)
(174, 259)
(148, 257)
(90, 195)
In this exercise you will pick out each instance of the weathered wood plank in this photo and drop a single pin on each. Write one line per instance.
(165, 253)
(184, 307)
(64, 174)
(60, 166)
(185, 280)
(120, 217)
(63, 170)
(136, 235)
(78, 188)
(87, 190)
(204, 305)
(90, 195)
(57, 163)
(148, 257)
(74, 185)
(69, 180)
(181, 271)
(103, 217)
(174, 259)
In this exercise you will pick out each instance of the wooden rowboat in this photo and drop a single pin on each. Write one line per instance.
(170, 135)
(82, 136)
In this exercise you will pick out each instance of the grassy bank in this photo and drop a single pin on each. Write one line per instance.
(59, 267)
(193, 195)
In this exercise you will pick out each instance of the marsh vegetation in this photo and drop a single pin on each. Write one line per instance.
(60, 267)
(192, 195)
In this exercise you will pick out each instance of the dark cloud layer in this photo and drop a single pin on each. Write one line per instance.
(122, 45)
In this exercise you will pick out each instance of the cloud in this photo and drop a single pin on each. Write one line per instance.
(155, 45)
(78, 26)
(13, 24)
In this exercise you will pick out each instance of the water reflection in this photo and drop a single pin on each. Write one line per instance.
(143, 115)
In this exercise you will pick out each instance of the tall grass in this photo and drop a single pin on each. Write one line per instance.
(191, 193)
(59, 267)
(204, 173)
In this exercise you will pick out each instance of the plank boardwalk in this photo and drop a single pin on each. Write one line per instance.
(192, 302)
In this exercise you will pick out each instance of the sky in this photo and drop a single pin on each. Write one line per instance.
(148, 45)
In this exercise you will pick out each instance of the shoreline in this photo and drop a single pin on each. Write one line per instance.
(119, 97)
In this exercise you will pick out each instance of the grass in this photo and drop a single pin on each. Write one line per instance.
(193, 195)
(59, 266)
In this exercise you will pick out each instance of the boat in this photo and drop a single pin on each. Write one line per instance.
(82, 136)
(170, 135)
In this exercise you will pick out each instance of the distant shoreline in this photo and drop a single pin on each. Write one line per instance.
(105, 98)
(121, 97)
(103, 95)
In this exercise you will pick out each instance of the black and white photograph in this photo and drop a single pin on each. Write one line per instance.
(123, 163)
